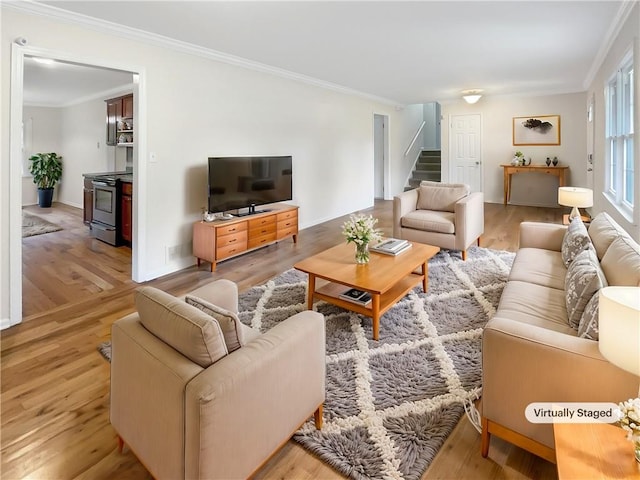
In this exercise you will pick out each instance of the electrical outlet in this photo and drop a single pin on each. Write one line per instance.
(176, 252)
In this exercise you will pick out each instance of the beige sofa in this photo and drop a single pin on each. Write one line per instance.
(197, 395)
(446, 215)
(531, 353)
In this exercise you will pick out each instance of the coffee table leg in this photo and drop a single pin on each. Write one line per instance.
(425, 274)
(312, 289)
(375, 314)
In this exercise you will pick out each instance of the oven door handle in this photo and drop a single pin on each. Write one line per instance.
(100, 184)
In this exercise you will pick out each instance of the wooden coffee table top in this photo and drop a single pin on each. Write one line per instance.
(338, 264)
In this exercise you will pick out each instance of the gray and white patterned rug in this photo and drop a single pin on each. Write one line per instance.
(34, 225)
(391, 404)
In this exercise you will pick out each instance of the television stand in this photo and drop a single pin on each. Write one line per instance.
(252, 211)
(221, 239)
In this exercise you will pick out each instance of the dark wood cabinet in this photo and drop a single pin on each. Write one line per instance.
(126, 212)
(114, 112)
(120, 121)
(87, 201)
(127, 106)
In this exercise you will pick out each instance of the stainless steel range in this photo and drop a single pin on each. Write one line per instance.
(105, 209)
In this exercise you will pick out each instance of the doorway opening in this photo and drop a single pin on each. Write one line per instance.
(24, 96)
(381, 163)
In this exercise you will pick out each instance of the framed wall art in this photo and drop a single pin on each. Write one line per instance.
(536, 130)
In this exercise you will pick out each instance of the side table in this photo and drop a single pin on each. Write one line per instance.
(586, 220)
(594, 450)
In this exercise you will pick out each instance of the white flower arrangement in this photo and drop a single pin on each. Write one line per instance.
(360, 229)
(629, 418)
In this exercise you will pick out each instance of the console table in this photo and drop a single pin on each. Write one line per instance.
(218, 240)
(510, 170)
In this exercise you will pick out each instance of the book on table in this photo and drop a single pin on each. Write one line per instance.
(391, 246)
(356, 296)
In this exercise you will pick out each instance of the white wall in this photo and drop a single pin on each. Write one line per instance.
(83, 148)
(497, 145)
(197, 107)
(627, 37)
(42, 135)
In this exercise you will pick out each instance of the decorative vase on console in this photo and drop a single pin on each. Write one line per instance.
(548, 161)
(555, 161)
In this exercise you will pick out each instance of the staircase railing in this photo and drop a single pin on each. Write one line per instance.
(415, 137)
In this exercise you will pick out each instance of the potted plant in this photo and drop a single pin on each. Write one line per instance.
(46, 169)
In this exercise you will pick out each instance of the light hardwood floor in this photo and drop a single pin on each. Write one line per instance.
(55, 385)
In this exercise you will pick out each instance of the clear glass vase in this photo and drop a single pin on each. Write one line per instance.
(362, 253)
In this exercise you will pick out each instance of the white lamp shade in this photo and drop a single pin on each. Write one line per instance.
(575, 197)
(619, 327)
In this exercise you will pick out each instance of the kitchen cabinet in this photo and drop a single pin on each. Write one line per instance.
(87, 201)
(126, 215)
(120, 121)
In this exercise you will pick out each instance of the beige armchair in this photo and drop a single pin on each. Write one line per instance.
(445, 215)
(198, 398)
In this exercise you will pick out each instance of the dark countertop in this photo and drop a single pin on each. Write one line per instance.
(123, 176)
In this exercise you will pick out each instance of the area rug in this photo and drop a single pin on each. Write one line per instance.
(391, 404)
(34, 225)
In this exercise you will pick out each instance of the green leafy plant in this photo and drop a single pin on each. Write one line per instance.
(46, 169)
(519, 154)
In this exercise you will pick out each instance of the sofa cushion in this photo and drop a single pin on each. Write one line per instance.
(603, 230)
(429, 221)
(575, 240)
(621, 262)
(190, 331)
(584, 279)
(228, 321)
(588, 327)
(539, 266)
(440, 196)
(535, 305)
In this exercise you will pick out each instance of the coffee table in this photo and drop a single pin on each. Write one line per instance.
(387, 278)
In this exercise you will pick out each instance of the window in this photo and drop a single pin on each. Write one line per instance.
(619, 171)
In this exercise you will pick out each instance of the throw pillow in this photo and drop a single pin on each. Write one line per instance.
(191, 332)
(588, 327)
(441, 196)
(575, 240)
(228, 321)
(584, 279)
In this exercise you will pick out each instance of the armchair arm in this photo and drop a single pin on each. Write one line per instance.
(254, 399)
(469, 218)
(547, 236)
(402, 204)
(524, 363)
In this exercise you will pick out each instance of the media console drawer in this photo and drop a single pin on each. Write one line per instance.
(219, 240)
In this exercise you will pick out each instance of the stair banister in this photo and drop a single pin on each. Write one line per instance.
(415, 137)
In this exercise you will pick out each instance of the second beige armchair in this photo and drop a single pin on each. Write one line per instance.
(445, 215)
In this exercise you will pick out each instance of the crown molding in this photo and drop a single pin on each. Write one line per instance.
(616, 25)
(31, 7)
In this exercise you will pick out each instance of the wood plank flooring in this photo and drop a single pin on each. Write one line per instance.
(55, 385)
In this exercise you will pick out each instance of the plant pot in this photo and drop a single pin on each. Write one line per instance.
(45, 197)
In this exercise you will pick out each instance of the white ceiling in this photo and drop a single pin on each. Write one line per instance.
(62, 84)
(407, 52)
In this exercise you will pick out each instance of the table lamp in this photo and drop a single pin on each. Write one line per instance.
(619, 327)
(575, 197)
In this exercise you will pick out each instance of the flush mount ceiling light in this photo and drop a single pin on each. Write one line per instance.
(471, 96)
(44, 61)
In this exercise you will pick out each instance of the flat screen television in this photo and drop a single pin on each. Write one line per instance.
(236, 183)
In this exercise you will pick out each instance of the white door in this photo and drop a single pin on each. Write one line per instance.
(465, 148)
